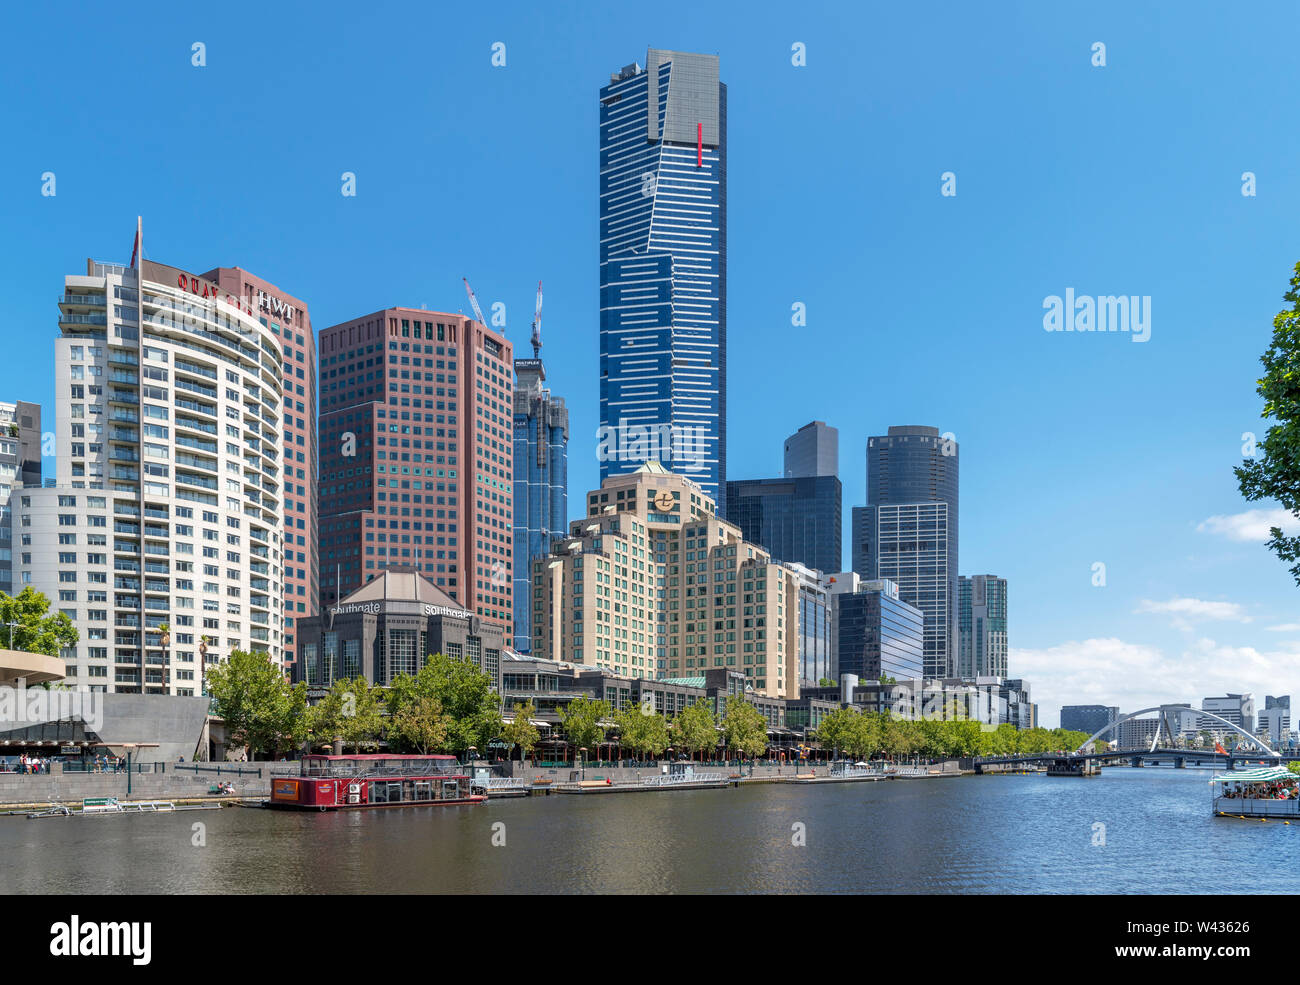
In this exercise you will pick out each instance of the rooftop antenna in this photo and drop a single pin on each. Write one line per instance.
(537, 325)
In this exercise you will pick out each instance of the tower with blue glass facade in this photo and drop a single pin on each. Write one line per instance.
(663, 269)
(541, 464)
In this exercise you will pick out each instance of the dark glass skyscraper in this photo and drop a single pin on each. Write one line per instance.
(663, 269)
(796, 519)
(813, 450)
(907, 532)
(878, 634)
(541, 423)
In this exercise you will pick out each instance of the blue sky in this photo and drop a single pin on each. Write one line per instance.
(1123, 179)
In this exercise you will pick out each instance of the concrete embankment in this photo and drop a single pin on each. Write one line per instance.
(176, 783)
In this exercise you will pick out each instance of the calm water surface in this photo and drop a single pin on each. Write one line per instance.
(994, 834)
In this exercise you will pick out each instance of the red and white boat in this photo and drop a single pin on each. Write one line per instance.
(335, 783)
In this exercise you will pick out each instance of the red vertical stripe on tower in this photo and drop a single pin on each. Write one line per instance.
(699, 145)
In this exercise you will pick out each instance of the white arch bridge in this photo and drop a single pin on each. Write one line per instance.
(1180, 757)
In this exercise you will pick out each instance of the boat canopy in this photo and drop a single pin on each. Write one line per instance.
(1265, 774)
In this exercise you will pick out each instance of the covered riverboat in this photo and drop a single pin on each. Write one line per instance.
(1269, 791)
(332, 783)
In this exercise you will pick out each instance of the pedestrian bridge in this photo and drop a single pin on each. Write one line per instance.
(1154, 753)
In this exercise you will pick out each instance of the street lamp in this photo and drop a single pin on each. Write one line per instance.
(582, 751)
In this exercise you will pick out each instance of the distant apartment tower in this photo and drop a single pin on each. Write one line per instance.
(289, 321)
(653, 583)
(663, 269)
(167, 505)
(20, 463)
(878, 633)
(908, 533)
(1274, 724)
(541, 483)
(982, 625)
(416, 450)
(1239, 709)
(813, 450)
(1089, 719)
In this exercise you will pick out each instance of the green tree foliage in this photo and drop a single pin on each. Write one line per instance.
(352, 711)
(36, 631)
(695, 729)
(463, 692)
(420, 725)
(520, 730)
(1275, 472)
(581, 718)
(744, 729)
(260, 707)
(644, 732)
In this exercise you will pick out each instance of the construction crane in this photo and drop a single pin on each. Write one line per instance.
(473, 303)
(537, 325)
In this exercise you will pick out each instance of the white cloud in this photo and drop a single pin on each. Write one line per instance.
(1134, 675)
(1187, 608)
(1252, 526)
(1286, 627)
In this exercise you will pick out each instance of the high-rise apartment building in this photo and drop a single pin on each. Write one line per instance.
(20, 463)
(907, 532)
(813, 450)
(167, 508)
(290, 322)
(541, 482)
(416, 453)
(663, 269)
(653, 583)
(1239, 709)
(982, 626)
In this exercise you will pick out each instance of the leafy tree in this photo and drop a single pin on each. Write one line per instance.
(462, 691)
(420, 724)
(35, 631)
(836, 729)
(350, 711)
(826, 682)
(261, 709)
(695, 729)
(644, 732)
(1275, 472)
(582, 718)
(520, 731)
(744, 728)
(864, 737)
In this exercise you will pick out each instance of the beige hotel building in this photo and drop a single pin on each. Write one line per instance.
(653, 584)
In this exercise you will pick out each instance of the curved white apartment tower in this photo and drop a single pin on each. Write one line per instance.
(167, 504)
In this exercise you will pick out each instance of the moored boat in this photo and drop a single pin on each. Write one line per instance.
(1269, 791)
(332, 783)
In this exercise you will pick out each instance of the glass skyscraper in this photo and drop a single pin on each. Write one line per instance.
(907, 532)
(982, 626)
(878, 634)
(541, 428)
(663, 269)
(795, 519)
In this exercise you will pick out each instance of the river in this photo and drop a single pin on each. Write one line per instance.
(1129, 831)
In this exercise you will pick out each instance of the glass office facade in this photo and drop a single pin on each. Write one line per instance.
(663, 270)
(879, 634)
(795, 519)
(541, 463)
(908, 531)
